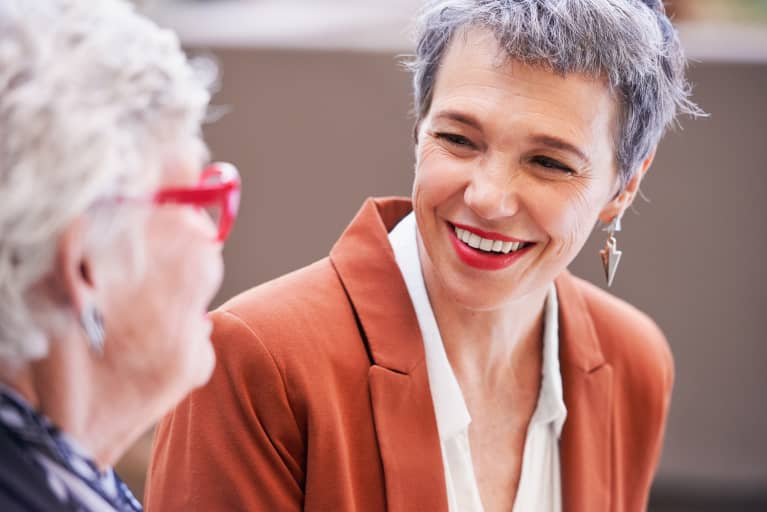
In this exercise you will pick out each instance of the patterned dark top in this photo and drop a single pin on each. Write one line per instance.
(42, 469)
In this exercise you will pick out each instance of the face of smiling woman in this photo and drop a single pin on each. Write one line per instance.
(517, 161)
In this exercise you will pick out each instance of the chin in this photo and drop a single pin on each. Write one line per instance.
(487, 291)
(471, 299)
(193, 368)
(205, 362)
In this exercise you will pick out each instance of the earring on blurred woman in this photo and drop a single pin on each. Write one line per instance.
(93, 325)
(610, 255)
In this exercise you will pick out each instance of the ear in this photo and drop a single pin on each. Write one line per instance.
(73, 270)
(619, 204)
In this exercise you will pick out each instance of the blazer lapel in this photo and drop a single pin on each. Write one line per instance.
(586, 444)
(406, 427)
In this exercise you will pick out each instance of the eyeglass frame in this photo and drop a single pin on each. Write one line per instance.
(226, 193)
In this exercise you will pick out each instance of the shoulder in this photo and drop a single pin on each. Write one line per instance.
(23, 485)
(636, 359)
(307, 285)
(300, 329)
(292, 312)
(302, 297)
(630, 340)
(290, 293)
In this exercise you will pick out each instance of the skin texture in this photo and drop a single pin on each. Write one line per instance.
(521, 151)
(153, 290)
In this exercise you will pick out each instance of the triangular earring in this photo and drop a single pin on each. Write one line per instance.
(610, 255)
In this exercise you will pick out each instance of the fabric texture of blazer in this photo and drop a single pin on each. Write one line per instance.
(320, 399)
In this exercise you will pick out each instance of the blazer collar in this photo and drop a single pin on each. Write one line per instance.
(406, 427)
(364, 260)
(580, 346)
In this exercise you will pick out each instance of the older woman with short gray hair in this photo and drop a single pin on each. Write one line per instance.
(106, 262)
(442, 357)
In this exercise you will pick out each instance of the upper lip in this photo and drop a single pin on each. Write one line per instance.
(488, 234)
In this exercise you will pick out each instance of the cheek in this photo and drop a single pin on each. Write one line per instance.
(438, 177)
(188, 272)
(182, 271)
(184, 274)
(567, 214)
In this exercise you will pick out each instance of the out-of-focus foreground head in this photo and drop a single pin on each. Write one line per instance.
(94, 100)
(630, 43)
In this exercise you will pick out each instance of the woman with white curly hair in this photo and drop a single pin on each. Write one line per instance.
(108, 255)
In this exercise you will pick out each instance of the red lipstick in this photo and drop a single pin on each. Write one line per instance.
(480, 259)
(488, 234)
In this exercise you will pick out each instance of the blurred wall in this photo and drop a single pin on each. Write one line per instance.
(314, 133)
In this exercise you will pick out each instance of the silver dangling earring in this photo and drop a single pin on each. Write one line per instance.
(610, 255)
(93, 325)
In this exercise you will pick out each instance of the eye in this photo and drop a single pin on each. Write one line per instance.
(550, 163)
(455, 139)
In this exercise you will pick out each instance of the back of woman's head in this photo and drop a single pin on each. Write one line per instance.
(93, 100)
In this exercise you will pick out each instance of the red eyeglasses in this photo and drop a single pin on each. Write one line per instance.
(218, 194)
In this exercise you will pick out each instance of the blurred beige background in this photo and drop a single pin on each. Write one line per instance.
(318, 119)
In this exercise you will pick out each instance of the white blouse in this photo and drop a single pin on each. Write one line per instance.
(540, 482)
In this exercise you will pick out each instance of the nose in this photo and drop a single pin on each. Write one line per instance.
(493, 191)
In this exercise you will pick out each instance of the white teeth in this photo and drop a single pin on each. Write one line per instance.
(486, 244)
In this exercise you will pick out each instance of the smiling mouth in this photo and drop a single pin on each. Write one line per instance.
(488, 246)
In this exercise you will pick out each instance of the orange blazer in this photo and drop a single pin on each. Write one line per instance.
(320, 399)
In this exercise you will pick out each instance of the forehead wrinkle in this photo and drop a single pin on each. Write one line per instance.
(476, 77)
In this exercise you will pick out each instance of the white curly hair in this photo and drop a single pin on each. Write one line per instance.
(94, 99)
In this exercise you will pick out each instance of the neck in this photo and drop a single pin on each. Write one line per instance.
(490, 346)
(74, 388)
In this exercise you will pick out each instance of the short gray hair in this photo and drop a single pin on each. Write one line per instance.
(94, 99)
(630, 43)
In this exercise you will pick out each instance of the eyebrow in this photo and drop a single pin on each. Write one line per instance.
(544, 140)
(560, 144)
(460, 117)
